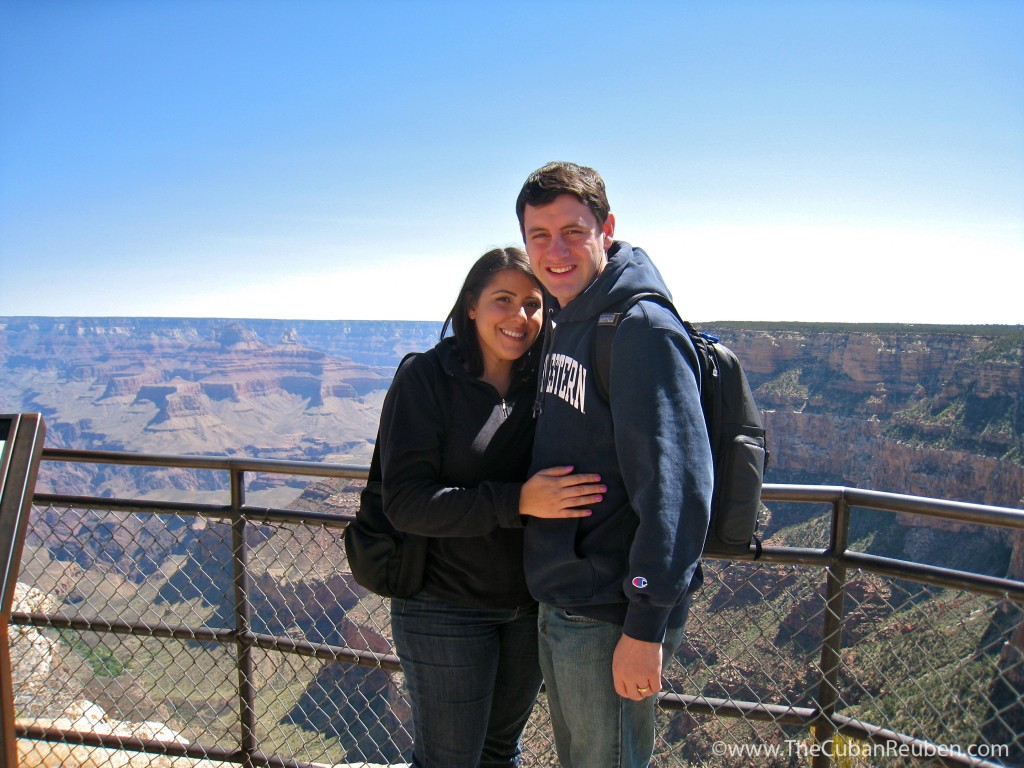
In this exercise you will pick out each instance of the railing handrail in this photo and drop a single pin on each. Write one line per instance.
(957, 511)
(223, 463)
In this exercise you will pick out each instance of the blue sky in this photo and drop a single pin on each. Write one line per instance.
(805, 160)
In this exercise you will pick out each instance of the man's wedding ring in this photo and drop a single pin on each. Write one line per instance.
(645, 689)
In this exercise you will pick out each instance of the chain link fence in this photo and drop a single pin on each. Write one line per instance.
(168, 637)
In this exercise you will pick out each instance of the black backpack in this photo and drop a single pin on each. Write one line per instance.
(381, 558)
(735, 430)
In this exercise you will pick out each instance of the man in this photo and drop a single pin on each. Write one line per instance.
(614, 587)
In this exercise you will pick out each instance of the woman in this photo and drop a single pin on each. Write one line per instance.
(455, 440)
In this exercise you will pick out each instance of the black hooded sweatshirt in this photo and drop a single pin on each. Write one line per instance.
(454, 454)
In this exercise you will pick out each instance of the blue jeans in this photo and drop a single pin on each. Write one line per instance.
(472, 676)
(594, 727)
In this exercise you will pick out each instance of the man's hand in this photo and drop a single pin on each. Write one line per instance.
(636, 668)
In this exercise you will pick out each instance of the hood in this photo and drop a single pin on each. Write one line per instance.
(451, 360)
(629, 271)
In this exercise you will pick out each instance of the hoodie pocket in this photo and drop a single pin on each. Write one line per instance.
(554, 573)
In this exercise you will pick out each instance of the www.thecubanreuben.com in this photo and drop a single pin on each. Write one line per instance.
(855, 749)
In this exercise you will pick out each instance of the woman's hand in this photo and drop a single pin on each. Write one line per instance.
(555, 493)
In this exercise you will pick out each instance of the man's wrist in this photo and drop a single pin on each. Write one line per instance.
(646, 623)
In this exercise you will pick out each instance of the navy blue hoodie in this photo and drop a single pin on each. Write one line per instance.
(636, 558)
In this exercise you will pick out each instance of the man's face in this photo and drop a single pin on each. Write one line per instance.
(567, 246)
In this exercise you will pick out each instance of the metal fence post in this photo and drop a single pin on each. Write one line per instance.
(832, 634)
(21, 446)
(243, 620)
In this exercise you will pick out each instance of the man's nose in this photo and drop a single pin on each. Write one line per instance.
(558, 245)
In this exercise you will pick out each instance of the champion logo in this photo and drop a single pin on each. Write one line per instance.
(640, 582)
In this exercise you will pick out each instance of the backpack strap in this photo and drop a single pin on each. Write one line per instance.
(374, 475)
(607, 322)
(707, 361)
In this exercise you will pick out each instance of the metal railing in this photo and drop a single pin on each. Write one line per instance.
(228, 633)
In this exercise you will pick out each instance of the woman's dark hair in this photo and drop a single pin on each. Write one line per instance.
(464, 329)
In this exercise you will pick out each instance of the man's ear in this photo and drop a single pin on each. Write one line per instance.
(608, 231)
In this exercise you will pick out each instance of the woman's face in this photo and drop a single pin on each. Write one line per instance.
(508, 317)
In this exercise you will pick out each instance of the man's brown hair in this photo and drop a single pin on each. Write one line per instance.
(554, 179)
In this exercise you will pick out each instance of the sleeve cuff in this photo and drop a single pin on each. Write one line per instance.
(507, 507)
(646, 622)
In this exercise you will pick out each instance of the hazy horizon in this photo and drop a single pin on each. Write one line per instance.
(702, 325)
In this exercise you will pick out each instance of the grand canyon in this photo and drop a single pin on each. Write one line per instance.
(925, 410)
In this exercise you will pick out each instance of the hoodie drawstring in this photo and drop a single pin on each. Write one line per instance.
(549, 331)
